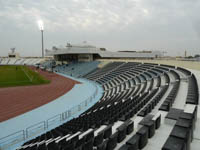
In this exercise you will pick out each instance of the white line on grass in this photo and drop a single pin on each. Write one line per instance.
(27, 74)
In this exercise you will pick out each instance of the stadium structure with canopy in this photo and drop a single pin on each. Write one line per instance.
(89, 53)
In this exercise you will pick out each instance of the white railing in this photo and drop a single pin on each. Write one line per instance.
(6, 143)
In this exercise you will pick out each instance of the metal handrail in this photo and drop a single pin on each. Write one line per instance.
(42, 122)
(45, 124)
(11, 135)
(12, 139)
(59, 116)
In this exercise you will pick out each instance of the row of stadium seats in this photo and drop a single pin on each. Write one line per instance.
(130, 90)
(185, 71)
(150, 106)
(192, 95)
(147, 128)
(167, 104)
(78, 69)
(20, 61)
(182, 134)
(48, 64)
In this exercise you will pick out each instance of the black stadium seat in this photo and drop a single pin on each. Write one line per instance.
(143, 133)
(174, 143)
(108, 131)
(127, 147)
(130, 126)
(133, 142)
(88, 145)
(98, 139)
(182, 133)
(157, 120)
(130, 89)
(121, 133)
(103, 145)
(112, 141)
(150, 124)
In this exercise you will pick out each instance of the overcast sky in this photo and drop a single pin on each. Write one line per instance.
(167, 25)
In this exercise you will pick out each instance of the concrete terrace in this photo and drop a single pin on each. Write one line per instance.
(163, 132)
(161, 135)
(195, 65)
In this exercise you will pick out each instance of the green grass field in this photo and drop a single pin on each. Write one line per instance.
(19, 76)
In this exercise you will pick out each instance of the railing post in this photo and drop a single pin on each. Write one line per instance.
(27, 133)
(69, 113)
(66, 114)
(60, 118)
(24, 135)
(63, 116)
(79, 107)
(47, 125)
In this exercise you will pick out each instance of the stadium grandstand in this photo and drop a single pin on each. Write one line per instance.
(86, 52)
(102, 100)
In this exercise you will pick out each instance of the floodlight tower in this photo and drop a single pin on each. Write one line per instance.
(41, 28)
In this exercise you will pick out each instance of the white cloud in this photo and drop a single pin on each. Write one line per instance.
(139, 24)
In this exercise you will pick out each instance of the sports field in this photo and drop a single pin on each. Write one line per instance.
(19, 76)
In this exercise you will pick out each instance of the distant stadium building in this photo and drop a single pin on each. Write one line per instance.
(90, 53)
(13, 54)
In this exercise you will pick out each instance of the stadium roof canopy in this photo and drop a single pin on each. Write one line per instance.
(88, 49)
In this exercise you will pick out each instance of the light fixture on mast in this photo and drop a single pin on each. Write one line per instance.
(41, 28)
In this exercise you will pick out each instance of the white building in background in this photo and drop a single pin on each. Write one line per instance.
(89, 53)
(13, 54)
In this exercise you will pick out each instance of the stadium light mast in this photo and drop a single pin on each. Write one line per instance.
(41, 28)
